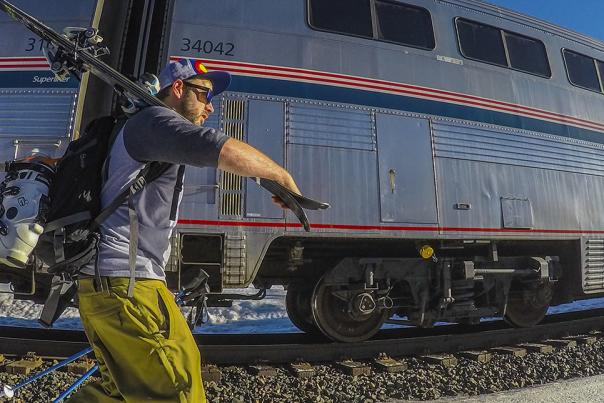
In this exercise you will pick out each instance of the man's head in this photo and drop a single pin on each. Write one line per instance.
(189, 90)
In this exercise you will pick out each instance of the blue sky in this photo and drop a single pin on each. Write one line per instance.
(585, 16)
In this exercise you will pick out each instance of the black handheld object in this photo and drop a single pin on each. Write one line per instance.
(295, 202)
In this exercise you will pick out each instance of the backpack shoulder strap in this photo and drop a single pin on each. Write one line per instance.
(148, 174)
(117, 128)
(177, 191)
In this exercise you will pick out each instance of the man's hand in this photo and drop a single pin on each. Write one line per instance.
(279, 203)
(289, 183)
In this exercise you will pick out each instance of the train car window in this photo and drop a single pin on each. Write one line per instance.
(404, 24)
(481, 42)
(343, 16)
(582, 71)
(506, 49)
(527, 54)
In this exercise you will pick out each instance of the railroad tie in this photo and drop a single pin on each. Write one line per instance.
(478, 356)
(387, 364)
(354, 368)
(79, 367)
(263, 370)
(561, 343)
(444, 360)
(25, 365)
(508, 350)
(588, 340)
(537, 348)
(211, 373)
(301, 370)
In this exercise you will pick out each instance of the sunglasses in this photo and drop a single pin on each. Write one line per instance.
(201, 90)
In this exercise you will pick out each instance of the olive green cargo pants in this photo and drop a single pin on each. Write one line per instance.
(143, 345)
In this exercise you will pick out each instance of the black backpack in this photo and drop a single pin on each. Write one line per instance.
(71, 235)
(69, 240)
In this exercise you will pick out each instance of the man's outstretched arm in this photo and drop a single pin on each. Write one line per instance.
(242, 159)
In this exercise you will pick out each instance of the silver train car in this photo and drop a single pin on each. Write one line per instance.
(461, 146)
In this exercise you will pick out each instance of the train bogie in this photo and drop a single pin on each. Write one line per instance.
(351, 300)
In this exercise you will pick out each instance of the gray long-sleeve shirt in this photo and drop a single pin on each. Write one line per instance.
(154, 134)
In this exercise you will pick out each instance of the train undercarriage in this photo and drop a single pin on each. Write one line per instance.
(348, 299)
(346, 289)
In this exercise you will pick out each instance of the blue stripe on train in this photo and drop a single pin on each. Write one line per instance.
(286, 88)
(34, 79)
(294, 89)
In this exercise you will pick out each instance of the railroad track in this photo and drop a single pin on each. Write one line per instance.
(242, 349)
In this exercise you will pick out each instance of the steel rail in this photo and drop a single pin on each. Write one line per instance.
(241, 349)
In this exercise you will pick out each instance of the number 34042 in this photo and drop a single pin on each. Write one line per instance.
(222, 48)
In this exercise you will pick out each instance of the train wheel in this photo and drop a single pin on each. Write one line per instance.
(297, 304)
(527, 304)
(344, 315)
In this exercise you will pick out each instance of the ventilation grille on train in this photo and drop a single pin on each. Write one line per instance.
(323, 126)
(593, 270)
(231, 186)
(515, 147)
(173, 261)
(35, 119)
(235, 260)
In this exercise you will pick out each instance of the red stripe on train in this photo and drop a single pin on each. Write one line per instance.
(22, 59)
(265, 224)
(24, 66)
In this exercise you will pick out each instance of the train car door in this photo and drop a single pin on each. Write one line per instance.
(266, 127)
(406, 173)
(331, 152)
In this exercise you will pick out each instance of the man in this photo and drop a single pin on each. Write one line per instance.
(142, 343)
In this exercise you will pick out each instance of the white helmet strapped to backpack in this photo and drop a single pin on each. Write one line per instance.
(23, 206)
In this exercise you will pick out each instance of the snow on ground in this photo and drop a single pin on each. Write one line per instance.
(589, 389)
(264, 316)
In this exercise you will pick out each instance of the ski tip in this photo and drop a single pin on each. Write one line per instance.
(310, 204)
(323, 206)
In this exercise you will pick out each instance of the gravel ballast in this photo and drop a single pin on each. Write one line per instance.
(420, 381)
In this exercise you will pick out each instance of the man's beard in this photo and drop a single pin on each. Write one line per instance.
(189, 111)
